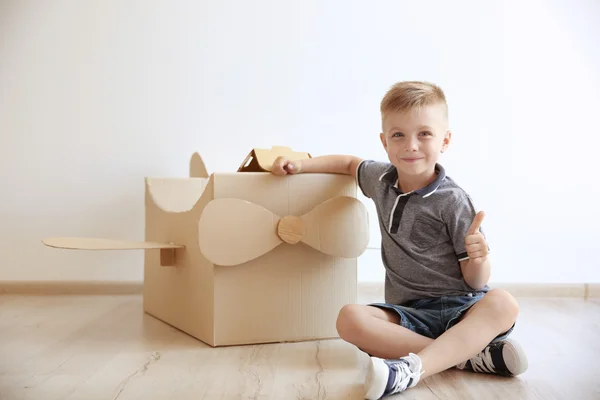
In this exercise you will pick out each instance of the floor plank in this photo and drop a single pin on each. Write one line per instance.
(104, 347)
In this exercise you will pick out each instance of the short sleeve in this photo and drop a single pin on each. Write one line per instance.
(368, 174)
(458, 219)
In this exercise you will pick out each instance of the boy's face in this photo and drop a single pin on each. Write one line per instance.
(415, 139)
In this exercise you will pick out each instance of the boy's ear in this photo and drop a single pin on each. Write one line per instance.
(446, 141)
(382, 137)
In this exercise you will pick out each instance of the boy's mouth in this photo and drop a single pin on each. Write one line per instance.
(411, 159)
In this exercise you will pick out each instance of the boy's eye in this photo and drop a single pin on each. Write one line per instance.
(426, 133)
(398, 134)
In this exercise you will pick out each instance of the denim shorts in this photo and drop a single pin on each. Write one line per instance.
(434, 316)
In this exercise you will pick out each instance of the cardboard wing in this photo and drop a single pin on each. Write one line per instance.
(78, 243)
(167, 250)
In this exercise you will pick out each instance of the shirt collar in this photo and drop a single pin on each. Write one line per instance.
(390, 176)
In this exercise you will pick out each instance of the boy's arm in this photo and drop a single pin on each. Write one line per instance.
(476, 275)
(476, 270)
(464, 227)
(367, 173)
(334, 164)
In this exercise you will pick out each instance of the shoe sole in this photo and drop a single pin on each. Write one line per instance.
(376, 379)
(514, 357)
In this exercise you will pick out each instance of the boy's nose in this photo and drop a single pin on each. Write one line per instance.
(412, 145)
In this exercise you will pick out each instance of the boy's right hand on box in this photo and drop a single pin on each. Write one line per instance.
(283, 166)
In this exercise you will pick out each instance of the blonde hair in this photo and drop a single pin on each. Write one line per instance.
(408, 95)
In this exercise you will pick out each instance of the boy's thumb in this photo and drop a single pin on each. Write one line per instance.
(476, 223)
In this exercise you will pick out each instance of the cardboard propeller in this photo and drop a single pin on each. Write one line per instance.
(337, 227)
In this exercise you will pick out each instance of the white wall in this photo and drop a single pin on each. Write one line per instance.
(104, 93)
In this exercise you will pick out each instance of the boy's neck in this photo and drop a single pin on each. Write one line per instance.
(411, 183)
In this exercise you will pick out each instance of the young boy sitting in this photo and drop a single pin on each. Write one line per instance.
(439, 312)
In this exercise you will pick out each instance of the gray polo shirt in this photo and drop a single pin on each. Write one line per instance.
(422, 233)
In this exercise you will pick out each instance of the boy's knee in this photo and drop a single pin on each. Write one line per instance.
(502, 306)
(350, 321)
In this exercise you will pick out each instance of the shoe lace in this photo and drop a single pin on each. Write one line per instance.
(405, 376)
(483, 362)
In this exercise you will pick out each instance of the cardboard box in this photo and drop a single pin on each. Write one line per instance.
(249, 257)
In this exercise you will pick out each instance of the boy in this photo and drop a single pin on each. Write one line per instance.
(438, 312)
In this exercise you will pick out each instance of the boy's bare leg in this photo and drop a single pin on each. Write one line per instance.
(377, 332)
(495, 313)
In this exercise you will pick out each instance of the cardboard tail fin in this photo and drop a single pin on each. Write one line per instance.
(197, 167)
(167, 250)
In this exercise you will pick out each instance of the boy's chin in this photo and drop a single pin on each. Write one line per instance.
(415, 169)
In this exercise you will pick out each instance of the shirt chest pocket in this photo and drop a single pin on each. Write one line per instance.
(426, 233)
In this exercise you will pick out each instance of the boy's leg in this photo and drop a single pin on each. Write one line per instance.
(378, 332)
(494, 314)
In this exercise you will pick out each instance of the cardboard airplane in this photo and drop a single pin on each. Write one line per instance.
(253, 257)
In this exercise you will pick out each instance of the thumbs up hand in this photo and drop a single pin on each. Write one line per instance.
(477, 248)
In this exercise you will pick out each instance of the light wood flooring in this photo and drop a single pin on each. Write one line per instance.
(105, 347)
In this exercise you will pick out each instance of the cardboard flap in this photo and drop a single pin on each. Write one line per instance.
(261, 160)
(233, 231)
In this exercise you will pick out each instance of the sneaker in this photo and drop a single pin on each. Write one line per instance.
(387, 377)
(505, 358)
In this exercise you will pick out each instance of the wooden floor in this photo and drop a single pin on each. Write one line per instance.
(105, 347)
